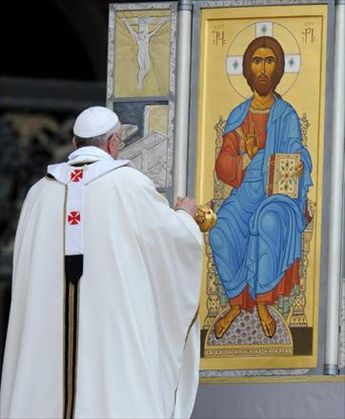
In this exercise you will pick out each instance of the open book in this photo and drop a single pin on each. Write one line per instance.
(281, 177)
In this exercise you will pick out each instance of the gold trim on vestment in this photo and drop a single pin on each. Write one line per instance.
(71, 299)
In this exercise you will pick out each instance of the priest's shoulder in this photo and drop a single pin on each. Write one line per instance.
(42, 184)
(130, 176)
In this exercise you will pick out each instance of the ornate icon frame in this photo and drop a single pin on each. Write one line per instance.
(253, 363)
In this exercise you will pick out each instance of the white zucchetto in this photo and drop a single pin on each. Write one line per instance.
(94, 121)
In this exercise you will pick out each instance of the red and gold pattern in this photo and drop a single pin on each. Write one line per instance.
(77, 175)
(73, 218)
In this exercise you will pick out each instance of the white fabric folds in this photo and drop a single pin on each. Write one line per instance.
(138, 348)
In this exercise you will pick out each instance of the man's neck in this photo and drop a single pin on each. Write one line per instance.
(262, 102)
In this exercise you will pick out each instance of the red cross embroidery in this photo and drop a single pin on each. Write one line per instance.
(73, 218)
(77, 175)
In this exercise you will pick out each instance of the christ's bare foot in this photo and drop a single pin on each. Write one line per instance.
(268, 323)
(223, 324)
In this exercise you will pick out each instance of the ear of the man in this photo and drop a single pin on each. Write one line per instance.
(109, 144)
(112, 147)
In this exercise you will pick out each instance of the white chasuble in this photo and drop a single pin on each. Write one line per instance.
(122, 341)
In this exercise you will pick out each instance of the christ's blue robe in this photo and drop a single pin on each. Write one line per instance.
(258, 237)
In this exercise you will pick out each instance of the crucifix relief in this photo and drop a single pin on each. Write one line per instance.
(142, 38)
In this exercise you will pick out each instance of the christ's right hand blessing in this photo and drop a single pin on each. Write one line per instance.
(251, 141)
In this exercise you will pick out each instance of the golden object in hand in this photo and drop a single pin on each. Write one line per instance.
(205, 217)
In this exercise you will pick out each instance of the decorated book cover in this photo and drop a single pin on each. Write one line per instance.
(282, 177)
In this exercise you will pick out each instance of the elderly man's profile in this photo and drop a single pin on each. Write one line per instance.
(256, 243)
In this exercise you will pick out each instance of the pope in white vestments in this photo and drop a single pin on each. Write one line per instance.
(106, 282)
